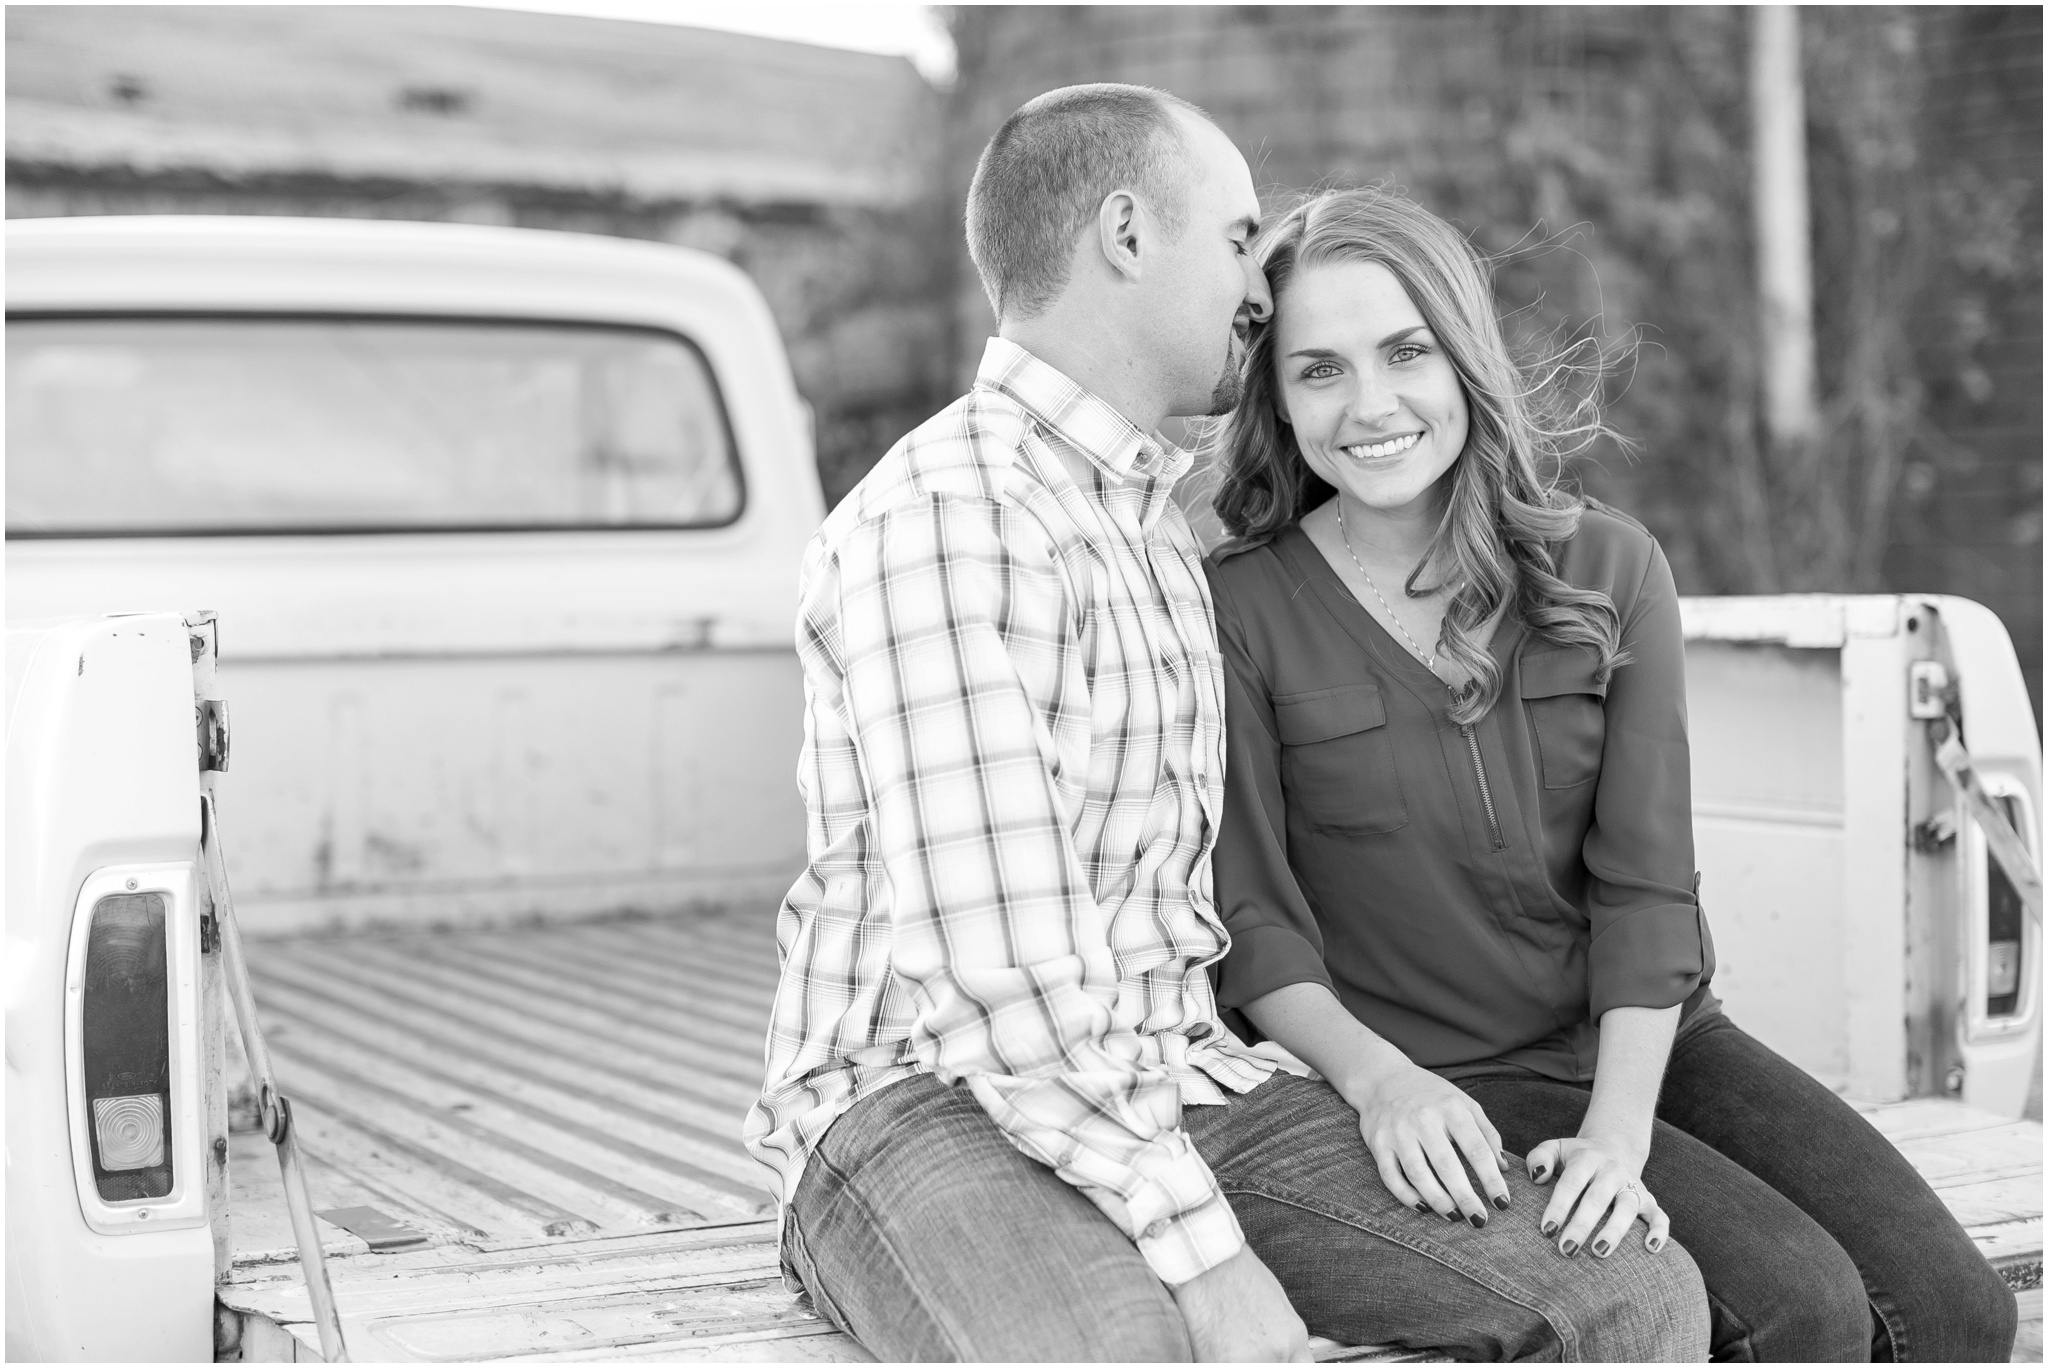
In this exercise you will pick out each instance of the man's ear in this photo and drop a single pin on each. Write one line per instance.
(1120, 225)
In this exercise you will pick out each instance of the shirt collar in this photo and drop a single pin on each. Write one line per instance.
(1084, 421)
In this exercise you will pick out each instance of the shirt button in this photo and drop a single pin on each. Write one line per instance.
(1155, 1230)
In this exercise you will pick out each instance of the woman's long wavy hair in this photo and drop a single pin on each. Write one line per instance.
(1505, 512)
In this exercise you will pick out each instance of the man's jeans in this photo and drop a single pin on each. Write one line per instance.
(1814, 1234)
(923, 1233)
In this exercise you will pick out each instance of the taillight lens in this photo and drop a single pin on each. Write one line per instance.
(2006, 918)
(126, 1020)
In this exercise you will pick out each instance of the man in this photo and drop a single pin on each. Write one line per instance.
(1004, 1117)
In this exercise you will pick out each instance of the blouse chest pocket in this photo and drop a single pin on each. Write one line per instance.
(1337, 760)
(1566, 700)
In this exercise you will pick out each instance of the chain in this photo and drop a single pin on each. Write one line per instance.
(1428, 657)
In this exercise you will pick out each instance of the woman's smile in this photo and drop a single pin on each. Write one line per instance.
(1379, 451)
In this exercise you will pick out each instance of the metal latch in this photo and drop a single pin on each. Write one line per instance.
(1927, 691)
(213, 735)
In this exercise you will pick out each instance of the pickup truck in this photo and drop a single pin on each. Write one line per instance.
(496, 835)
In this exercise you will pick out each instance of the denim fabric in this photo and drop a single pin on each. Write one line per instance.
(1817, 1239)
(923, 1233)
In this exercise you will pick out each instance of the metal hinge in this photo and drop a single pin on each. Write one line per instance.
(209, 934)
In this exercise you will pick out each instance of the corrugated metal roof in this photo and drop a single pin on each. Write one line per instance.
(446, 94)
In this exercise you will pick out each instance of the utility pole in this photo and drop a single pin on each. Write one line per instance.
(1784, 241)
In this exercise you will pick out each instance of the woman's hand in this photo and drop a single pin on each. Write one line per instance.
(1418, 1127)
(1600, 1193)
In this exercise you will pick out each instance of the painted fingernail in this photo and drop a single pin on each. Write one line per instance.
(1600, 1248)
(1423, 1207)
(1549, 1229)
(1478, 1222)
(1656, 1244)
(1541, 1175)
(1451, 1216)
(1500, 1203)
(1504, 1157)
(1569, 1248)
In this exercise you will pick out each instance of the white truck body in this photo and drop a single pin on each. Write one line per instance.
(474, 724)
(451, 746)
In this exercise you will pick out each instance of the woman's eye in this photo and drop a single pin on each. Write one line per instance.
(1407, 351)
(1321, 370)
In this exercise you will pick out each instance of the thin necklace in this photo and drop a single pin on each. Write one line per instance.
(1428, 657)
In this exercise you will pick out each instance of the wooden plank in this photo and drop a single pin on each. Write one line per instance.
(1994, 1201)
(1926, 1116)
(683, 1147)
(381, 1286)
(2011, 1150)
(2010, 1241)
(706, 1295)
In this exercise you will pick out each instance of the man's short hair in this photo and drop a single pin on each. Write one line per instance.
(1047, 170)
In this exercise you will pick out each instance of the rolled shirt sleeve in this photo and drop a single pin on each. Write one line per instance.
(955, 623)
(1649, 946)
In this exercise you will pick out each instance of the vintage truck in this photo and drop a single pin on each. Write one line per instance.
(478, 776)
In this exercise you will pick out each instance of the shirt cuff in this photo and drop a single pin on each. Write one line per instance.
(1182, 1248)
(1652, 957)
(1265, 958)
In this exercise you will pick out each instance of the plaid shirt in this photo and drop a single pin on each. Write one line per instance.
(1013, 770)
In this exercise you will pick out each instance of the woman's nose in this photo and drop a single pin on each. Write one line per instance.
(1372, 403)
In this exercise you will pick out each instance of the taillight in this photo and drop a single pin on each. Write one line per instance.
(2005, 919)
(125, 1020)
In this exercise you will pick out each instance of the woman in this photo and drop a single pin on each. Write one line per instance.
(1456, 858)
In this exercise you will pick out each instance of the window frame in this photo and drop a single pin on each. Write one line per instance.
(690, 344)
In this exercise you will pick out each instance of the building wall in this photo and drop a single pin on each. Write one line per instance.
(810, 168)
(1600, 156)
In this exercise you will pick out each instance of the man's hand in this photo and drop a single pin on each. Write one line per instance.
(1237, 1313)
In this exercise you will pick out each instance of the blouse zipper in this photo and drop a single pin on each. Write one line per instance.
(1485, 794)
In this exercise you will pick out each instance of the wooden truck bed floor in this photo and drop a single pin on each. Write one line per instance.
(551, 1116)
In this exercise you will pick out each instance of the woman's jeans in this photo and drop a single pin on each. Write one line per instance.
(921, 1231)
(1817, 1240)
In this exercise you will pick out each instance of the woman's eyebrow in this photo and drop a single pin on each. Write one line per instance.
(1402, 336)
(1317, 352)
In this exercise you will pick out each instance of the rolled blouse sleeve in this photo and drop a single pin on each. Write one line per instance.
(1650, 946)
(1273, 934)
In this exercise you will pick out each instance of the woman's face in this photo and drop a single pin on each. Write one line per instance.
(1375, 404)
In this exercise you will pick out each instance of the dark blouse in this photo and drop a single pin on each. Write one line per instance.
(1471, 894)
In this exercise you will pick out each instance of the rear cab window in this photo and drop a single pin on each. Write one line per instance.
(186, 425)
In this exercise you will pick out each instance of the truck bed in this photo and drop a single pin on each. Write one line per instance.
(534, 1134)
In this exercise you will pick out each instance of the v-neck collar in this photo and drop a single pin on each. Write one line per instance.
(1299, 551)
